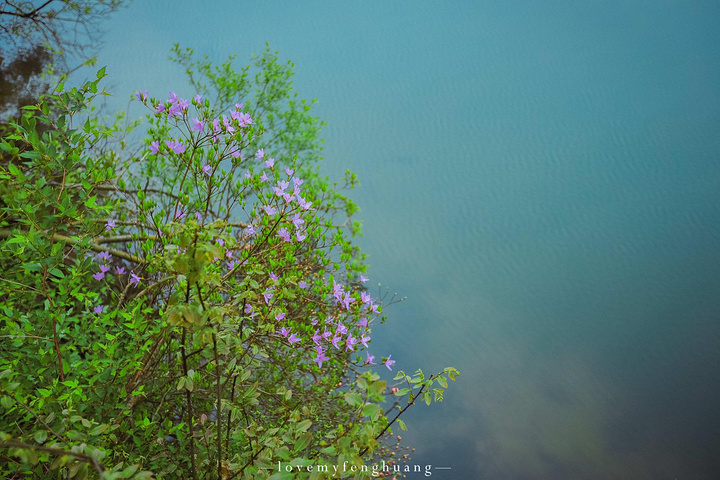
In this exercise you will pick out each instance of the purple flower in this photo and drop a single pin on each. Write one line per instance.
(300, 237)
(297, 182)
(269, 210)
(364, 340)
(273, 276)
(335, 341)
(245, 119)
(297, 220)
(179, 214)
(293, 339)
(341, 329)
(237, 154)
(264, 177)
(369, 359)
(175, 110)
(104, 269)
(198, 217)
(270, 162)
(248, 309)
(184, 104)
(289, 171)
(260, 153)
(216, 125)
(176, 146)
(284, 234)
(198, 99)
(268, 295)
(250, 230)
(142, 96)
(159, 108)
(304, 204)
(134, 279)
(280, 316)
(288, 198)
(302, 284)
(316, 337)
(121, 270)
(155, 146)
(238, 106)
(98, 309)
(363, 322)
(388, 363)
(207, 170)
(99, 276)
(320, 357)
(350, 343)
(198, 125)
(110, 225)
(173, 98)
(363, 278)
(365, 298)
(284, 332)
(228, 124)
(104, 255)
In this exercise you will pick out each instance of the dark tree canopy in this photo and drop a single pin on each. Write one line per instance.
(36, 35)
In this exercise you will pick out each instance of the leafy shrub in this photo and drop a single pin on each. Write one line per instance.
(192, 310)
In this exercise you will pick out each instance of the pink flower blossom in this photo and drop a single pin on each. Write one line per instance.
(176, 146)
(198, 125)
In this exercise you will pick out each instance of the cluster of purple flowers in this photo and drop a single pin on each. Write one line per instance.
(335, 333)
(284, 198)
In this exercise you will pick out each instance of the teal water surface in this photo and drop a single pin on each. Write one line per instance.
(541, 180)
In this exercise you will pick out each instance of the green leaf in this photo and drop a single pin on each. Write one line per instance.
(304, 425)
(353, 399)
(402, 425)
(98, 430)
(303, 441)
(14, 170)
(372, 410)
(40, 436)
(442, 381)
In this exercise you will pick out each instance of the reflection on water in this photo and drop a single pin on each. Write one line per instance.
(541, 180)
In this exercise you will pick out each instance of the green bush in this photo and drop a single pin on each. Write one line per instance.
(192, 308)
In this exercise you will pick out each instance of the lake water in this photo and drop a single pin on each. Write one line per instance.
(541, 180)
